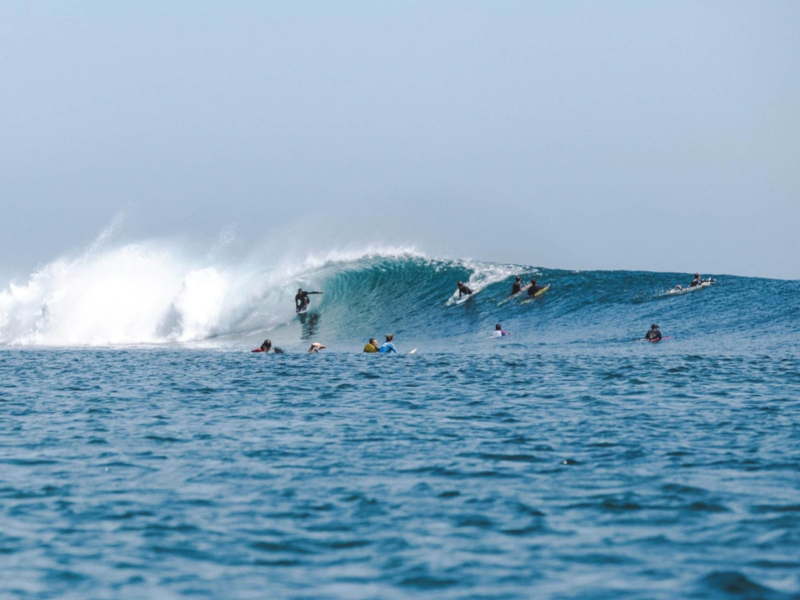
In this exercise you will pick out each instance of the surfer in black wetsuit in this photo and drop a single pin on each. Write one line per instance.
(653, 334)
(534, 288)
(301, 300)
(696, 281)
(462, 290)
(517, 287)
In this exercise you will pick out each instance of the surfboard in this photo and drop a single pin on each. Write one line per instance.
(666, 337)
(413, 351)
(536, 295)
(706, 283)
(524, 289)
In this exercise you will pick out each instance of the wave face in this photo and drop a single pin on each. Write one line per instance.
(149, 293)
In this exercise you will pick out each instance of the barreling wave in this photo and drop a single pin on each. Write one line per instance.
(150, 293)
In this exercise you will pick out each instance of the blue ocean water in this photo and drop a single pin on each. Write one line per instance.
(568, 460)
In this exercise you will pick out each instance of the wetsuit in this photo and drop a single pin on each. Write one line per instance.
(695, 282)
(370, 348)
(534, 289)
(501, 333)
(464, 290)
(302, 300)
(653, 334)
(388, 348)
(516, 288)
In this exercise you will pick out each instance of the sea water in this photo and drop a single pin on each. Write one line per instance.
(568, 460)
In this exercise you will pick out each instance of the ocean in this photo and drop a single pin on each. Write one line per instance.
(145, 452)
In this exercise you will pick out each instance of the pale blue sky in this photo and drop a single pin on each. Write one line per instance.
(611, 135)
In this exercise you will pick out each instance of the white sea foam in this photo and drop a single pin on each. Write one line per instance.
(483, 275)
(151, 293)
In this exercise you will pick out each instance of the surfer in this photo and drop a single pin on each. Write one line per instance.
(498, 330)
(301, 300)
(517, 287)
(463, 290)
(372, 346)
(315, 347)
(654, 334)
(696, 281)
(266, 347)
(388, 346)
(534, 288)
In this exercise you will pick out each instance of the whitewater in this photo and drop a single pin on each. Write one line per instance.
(145, 452)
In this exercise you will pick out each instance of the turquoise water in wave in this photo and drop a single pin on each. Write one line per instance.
(566, 461)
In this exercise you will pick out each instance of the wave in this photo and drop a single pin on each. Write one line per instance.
(151, 293)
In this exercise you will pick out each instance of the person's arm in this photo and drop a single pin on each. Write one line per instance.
(392, 349)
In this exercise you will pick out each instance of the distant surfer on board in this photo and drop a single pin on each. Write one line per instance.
(315, 347)
(388, 346)
(463, 290)
(517, 287)
(498, 331)
(372, 346)
(534, 288)
(266, 346)
(654, 334)
(696, 281)
(301, 300)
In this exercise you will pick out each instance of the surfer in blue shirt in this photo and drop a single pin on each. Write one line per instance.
(388, 346)
(498, 331)
(462, 290)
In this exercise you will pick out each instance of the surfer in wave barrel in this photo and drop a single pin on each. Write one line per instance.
(463, 290)
(301, 300)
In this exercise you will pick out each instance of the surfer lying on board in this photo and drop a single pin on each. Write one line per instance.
(388, 346)
(316, 347)
(534, 288)
(372, 346)
(266, 346)
(653, 334)
(498, 331)
(462, 290)
(517, 287)
(301, 300)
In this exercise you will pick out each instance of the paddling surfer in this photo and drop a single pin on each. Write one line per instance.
(654, 334)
